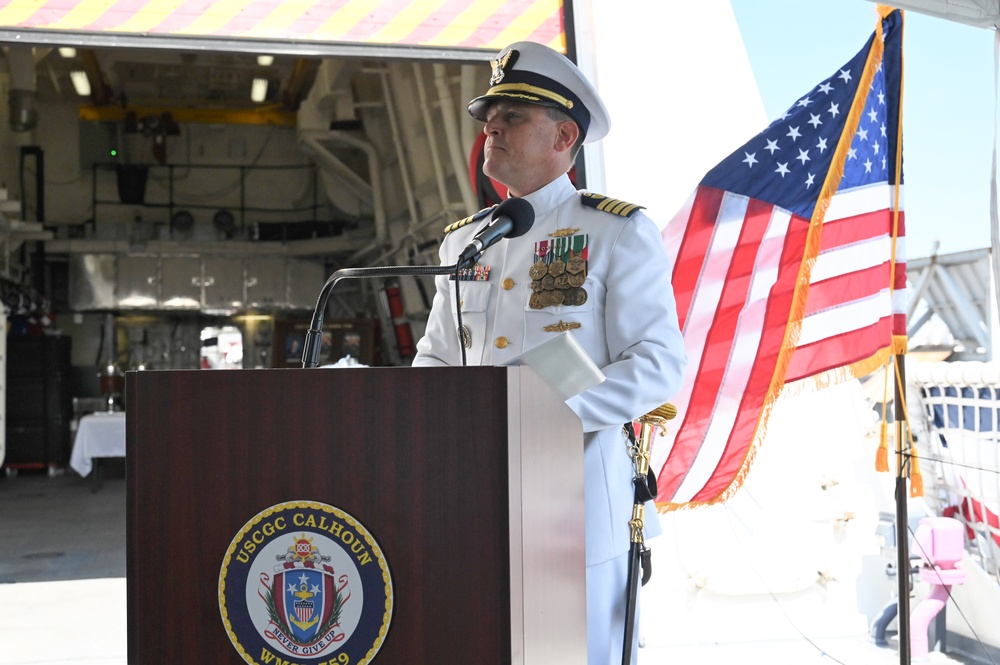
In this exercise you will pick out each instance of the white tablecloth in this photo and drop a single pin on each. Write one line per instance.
(97, 435)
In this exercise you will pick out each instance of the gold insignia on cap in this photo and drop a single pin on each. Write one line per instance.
(506, 60)
(562, 326)
(530, 92)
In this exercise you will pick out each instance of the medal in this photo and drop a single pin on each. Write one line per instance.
(559, 270)
(576, 297)
(466, 336)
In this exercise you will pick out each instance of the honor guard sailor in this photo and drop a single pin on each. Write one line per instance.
(590, 264)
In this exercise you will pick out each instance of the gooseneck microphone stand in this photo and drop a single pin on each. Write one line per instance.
(511, 219)
(314, 336)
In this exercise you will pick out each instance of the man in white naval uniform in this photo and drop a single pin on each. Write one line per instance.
(591, 265)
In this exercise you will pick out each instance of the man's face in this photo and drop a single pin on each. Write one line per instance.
(525, 148)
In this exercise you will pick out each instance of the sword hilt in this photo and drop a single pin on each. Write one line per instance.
(658, 417)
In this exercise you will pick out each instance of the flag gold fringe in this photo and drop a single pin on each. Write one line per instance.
(813, 236)
(882, 454)
(856, 370)
(884, 11)
(916, 478)
(882, 465)
(811, 251)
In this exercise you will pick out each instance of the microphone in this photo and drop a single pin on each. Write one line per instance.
(511, 219)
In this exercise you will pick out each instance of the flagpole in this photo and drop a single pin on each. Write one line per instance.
(902, 518)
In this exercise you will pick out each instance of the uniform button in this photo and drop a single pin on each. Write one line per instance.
(508, 284)
(501, 342)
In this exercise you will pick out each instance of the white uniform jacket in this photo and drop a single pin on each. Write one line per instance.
(628, 325)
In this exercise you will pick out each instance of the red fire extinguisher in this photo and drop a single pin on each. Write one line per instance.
(404, 337)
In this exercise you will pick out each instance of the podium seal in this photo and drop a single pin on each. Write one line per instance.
(304, 583)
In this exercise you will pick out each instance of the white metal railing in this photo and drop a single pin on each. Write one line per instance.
(959, 412)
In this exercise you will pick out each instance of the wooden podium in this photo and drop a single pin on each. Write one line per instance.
(469, 480)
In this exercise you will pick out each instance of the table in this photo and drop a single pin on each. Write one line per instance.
(98, 435)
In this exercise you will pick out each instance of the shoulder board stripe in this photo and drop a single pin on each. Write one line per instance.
(613, 206)
(468, 220)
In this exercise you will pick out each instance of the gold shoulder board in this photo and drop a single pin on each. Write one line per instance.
(614, 206)
(468, 220)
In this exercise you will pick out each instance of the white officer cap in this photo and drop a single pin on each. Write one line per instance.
(533, 73)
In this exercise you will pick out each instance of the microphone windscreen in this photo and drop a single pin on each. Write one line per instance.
(520, 213)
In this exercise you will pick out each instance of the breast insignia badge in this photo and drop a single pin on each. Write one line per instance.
(562, 326)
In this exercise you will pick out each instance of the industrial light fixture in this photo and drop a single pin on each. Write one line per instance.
(224, 221)
(80, 83)
(258, 91)
(182, 220)
(67, 51)
(265, 60)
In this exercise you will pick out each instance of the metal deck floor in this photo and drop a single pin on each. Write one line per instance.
(63, 599)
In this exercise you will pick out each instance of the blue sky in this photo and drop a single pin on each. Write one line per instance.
(948, 103)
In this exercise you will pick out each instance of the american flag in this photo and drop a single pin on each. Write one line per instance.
(788, 264)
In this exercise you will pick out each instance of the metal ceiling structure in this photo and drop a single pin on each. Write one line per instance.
(350, 28)
(977, 13)
(955, 288)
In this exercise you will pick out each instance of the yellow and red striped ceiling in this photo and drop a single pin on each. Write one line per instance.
(475, 24)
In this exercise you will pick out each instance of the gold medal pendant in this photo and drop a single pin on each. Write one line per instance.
(576, 297)
(557, 268)
(538, 270)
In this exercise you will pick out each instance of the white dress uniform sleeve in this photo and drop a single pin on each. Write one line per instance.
(643, 338)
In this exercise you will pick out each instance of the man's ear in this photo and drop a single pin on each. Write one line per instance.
(567, 134)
